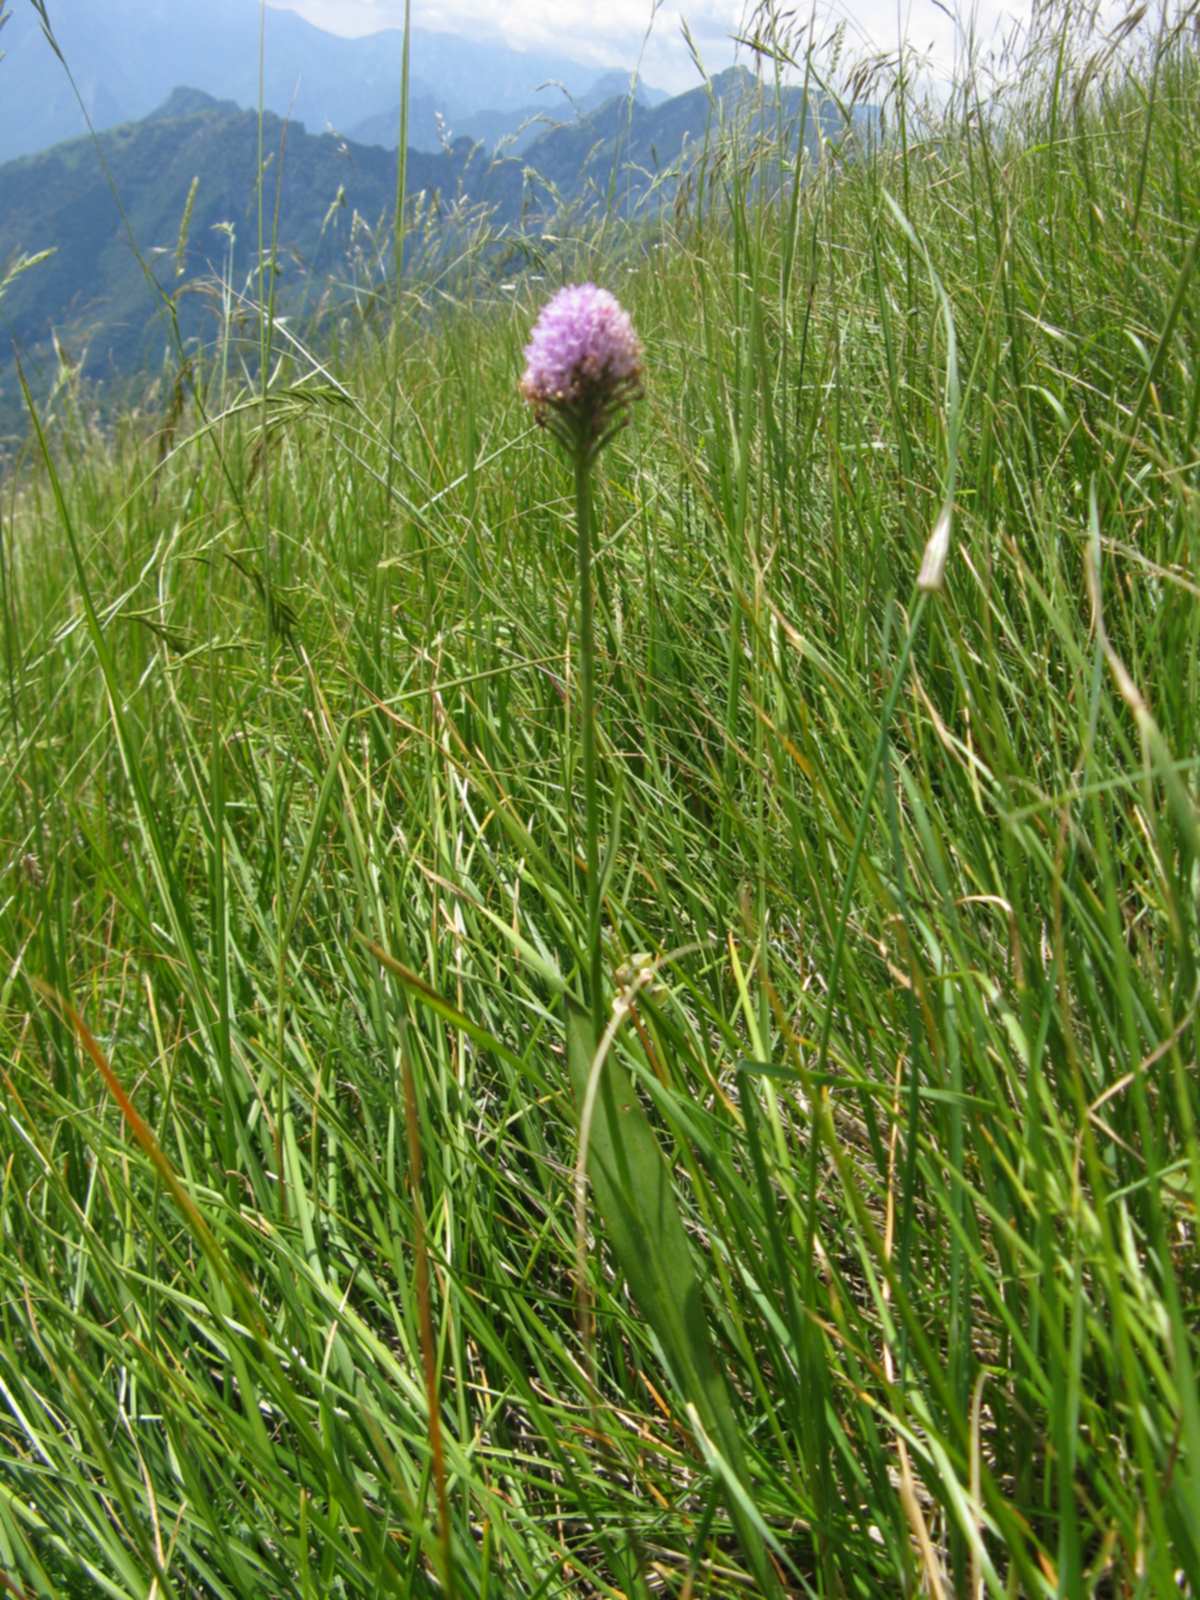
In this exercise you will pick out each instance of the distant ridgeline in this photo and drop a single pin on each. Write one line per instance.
(186, 181)
(125, 57)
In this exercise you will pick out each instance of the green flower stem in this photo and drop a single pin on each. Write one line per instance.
(583, 523)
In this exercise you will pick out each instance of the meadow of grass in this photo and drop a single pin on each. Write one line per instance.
(900, 893)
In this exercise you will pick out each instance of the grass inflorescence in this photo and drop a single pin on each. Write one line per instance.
(899, 890)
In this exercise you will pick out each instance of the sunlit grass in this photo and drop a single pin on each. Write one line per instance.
(295, 862)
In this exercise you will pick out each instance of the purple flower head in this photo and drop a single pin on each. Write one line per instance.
(583, 365)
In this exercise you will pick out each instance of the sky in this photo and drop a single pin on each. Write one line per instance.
(610, 32)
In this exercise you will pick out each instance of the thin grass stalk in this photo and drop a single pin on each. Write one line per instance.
(429, 1358)
(398, 229)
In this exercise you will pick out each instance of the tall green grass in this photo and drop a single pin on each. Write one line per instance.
(900, 908)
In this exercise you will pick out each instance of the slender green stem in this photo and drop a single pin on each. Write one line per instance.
(587, 713)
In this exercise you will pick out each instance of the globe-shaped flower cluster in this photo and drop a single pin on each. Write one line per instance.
(583, 366)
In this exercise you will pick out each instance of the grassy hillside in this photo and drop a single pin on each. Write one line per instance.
(885, 1281)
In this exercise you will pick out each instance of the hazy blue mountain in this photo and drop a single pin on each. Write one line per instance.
(632, 147)
(616, 82)
(429, 127)
(468, 73)
(127, 55)
(334, 208)
(515, 128)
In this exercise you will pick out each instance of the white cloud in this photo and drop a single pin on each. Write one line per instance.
(608, 35)
(611, 33)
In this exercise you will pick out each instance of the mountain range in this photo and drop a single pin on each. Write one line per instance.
(126, 56)
(186, 181)
(513, 128)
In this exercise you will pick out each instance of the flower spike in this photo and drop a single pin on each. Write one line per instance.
(583, 367)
